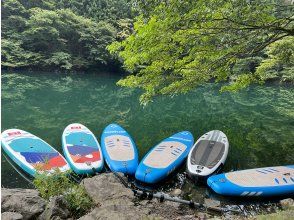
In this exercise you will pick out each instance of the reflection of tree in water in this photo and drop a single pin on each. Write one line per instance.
(257, 120)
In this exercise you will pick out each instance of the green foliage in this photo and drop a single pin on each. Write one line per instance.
(59, 184)
(53, 184)
(99, 10)
(178, 45)
(51, 34)
(13, 55)
(280, 61)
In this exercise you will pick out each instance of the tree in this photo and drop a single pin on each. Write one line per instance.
(99, 10)
(280, 61)
(178, 45)
(62, 35)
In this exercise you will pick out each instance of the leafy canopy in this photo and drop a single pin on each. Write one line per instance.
(178, 45)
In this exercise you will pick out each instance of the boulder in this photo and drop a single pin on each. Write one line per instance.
(114, 199)
(107, 187)
(27, 202)
(56, 209)
(11, 216)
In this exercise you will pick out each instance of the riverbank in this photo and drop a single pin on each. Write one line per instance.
(112, 200)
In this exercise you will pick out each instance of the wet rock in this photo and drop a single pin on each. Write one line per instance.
(27, 202)
(176, 192)
(56, 209)
(11, 216)
(287, 203)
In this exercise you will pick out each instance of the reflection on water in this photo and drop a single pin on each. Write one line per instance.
(258, 121)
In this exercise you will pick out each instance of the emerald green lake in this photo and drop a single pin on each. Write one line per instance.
(259, 121)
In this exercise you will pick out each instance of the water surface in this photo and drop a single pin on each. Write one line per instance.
(259, 121)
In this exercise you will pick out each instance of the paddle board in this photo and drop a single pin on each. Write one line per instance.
(31, 153)
(165, 157)
(208, 154)
(119, 150)
(81, 149)
(267, 181)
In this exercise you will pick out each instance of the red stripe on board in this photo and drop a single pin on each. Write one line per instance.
(54, 162)
(83, 159)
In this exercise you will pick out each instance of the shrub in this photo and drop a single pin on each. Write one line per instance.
(59, 183)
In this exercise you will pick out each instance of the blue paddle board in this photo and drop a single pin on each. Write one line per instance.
(268, 181)
(31, 153)
(119, 150)
(165, 157)
(81, 149)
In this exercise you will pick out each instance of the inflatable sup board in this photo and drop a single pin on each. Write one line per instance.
(31, 153)
(208, 154)
(119, 150)
(165, 157)
(81, 149)
(268, 181)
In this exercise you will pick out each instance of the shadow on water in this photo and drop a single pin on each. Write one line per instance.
(258, 121)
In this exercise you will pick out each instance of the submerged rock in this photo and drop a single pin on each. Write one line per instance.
(11, 216)
(27, 202)
(57, 208)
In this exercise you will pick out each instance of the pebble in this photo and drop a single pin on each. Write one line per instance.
(176, 192)
(287, 203)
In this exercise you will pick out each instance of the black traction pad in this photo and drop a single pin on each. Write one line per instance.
(207, 153)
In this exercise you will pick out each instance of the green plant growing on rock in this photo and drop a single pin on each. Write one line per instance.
(58, 183)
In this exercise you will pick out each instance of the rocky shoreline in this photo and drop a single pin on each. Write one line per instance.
(112, 200)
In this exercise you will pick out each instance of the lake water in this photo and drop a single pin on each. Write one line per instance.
(259, 121)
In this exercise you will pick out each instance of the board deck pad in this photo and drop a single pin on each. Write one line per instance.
(31, 153)
(119, 149)
(165, 154)
(262, 177)
(164, 158)
(82, 149)
(268, 181)
(208, 154)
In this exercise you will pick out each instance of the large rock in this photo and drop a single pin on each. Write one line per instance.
(11, 216)
(27, 202)
(56, 209)
(107, 187)
(115, 201)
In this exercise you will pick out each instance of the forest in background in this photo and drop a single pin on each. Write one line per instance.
(166, 46)
(62, 34)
